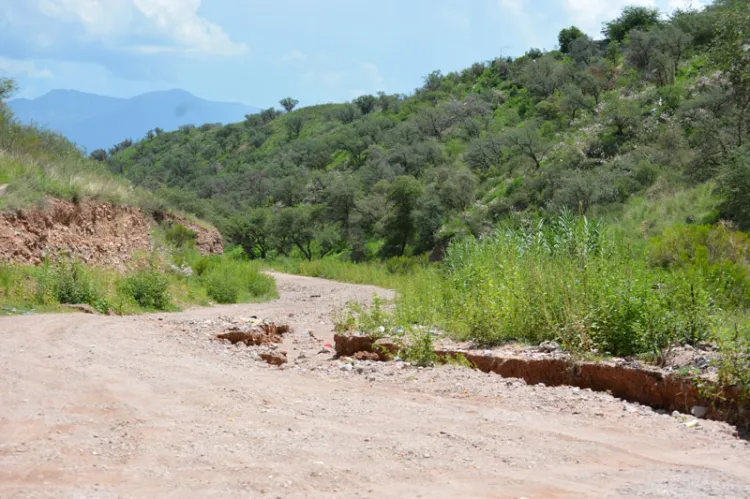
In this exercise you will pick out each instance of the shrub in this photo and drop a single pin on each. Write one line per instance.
(230, 281)
(149, 288)
(180, 236)
(69, 282)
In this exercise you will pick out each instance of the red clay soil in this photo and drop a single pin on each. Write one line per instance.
(647, 386)
(262, 334)
(97, 233)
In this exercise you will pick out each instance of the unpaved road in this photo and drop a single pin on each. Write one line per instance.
(109, 407)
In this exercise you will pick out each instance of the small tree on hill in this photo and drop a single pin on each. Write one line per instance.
(288, 103)
(566, 37)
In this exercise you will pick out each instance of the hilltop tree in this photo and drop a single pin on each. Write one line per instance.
(288, 103)
(366, 103)
(632, 17)
(566, 37)
(98, 155)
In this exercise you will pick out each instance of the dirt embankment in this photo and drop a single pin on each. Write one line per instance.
(98, 233)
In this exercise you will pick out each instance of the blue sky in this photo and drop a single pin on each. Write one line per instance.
(258, 51)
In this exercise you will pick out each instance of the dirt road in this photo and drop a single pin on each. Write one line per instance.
(109, 407)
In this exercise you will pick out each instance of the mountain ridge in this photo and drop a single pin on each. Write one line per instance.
(96, 121)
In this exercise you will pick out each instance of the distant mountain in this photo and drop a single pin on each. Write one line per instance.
(95, 121)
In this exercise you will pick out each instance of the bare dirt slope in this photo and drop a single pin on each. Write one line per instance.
(107, 407)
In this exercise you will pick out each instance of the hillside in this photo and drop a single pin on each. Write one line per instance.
(99, 122)
(645, 113)
(74, 234)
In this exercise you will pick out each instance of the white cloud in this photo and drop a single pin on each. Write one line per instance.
(175, 20)
(179, 20)
(294, 55)
(15, 68)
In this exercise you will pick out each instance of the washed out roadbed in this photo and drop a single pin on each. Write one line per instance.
(157, 406)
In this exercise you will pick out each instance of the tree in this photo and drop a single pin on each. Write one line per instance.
(354, 144)
(252, 232)
(573, 100)
(288, 103)
(584, 50)
(294, 124)
(8, 87)
(632, 17)
(98, 155)
(529, 141)
(731, 55)
(296, 225)
(366, 103)
(346, 113)
(433, 81)
(268, 115)
(734, 187)
(543, 76)
(398, 227)
(566, 37)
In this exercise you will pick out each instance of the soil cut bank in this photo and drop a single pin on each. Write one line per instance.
(155, 406)
(97, 233)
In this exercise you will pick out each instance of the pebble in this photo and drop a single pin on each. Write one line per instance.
(346, 367)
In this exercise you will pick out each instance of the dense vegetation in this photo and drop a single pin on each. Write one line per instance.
(654, 108)
(36, 164)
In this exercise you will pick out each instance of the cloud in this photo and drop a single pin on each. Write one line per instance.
(179, 21)
(144, 26)
(294, 55)
(15, 68)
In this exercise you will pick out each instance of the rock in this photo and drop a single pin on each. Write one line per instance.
(346, 367)
(3, 190)
(82, 307)
(387, 348)
(549, 347)
(274, 358)
(367, 356)
(699, 411)
(349, 344)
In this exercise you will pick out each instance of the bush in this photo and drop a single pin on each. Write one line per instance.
(566, 279)
(230, 281)
(148, 288)
(180, 236)
(69, 282)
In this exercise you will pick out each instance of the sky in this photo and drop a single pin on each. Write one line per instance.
(259, 51)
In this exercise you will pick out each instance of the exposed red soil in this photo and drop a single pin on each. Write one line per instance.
(97, 233)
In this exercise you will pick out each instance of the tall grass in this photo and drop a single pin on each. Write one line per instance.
(391, 274)
(574, 281)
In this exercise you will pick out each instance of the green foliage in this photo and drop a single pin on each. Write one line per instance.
(632, 18)
(231, 281)
(288, 103)
(148, 287)
(567, 36)
(69, 282)
(180, 236)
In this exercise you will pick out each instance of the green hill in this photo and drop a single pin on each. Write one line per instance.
(647, 113)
